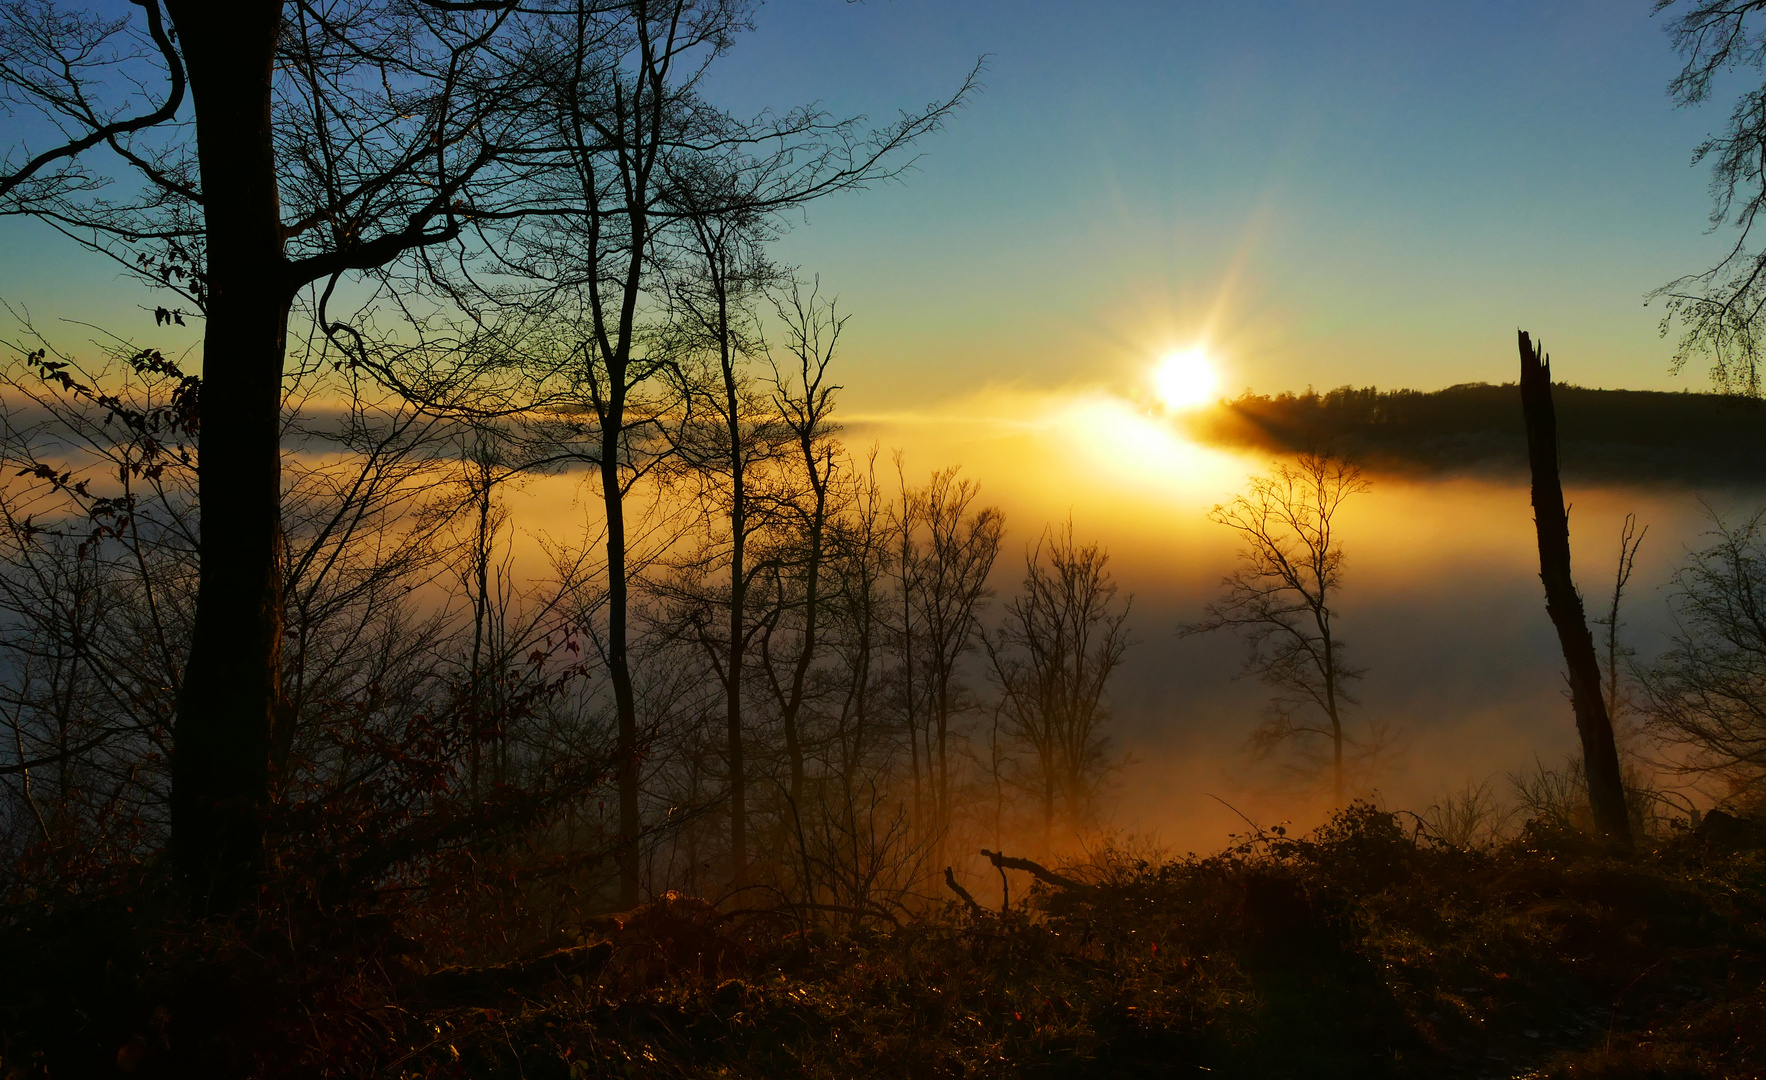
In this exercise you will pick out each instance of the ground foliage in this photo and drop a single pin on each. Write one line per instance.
(1366, 948)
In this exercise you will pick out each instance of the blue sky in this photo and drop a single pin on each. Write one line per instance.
(1332, 192)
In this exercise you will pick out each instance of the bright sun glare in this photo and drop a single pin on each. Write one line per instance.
(1186, 379)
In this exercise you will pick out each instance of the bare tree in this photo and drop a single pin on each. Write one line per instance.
(1281, 601)
(1052, 658)
(1707, 694)
(1719, 309)
(1630, 539)
(716, 295)
(854, 839)
(504, 623)
(804, 398)
(269, 146)
(946, 554)
(275, 146)
(861, 542)
(639, 166)
(98, 575)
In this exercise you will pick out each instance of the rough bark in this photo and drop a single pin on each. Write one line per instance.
(231, 691)
(1600, 757)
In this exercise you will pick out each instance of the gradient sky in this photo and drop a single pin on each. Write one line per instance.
(1368, 192)
(1330, 191)
(1333, 191)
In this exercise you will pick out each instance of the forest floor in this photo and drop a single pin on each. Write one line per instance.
(1361, 950)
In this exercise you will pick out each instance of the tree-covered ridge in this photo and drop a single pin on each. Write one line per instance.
(1605, 434)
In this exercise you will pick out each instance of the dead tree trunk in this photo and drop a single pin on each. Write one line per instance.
(1600, 757)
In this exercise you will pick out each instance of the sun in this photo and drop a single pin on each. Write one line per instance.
(1186, 379)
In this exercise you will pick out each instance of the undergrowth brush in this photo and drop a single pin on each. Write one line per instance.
(1364, 949)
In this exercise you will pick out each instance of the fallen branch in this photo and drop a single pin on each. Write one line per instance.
(1036, 870)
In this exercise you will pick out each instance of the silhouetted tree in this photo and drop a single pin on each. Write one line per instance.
(1600, 755)
(1719, 309)
(715, 295)
(1052, 658)
(862, 542)
(946, 553)
(295, 145)
(638, 165)
(271, 146)
(1282, 600)
(504, 623)
(803, 396)
(98, 573)
(1707, 693)
(1630, 539)
(866, 851)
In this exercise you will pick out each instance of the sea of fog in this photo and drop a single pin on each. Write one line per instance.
(1441, 601)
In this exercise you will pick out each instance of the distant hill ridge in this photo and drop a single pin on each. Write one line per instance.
(1604, 435)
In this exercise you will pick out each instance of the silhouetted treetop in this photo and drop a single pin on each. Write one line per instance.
(1604, 434)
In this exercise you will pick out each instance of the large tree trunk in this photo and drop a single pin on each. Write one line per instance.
(221, 774)
(1600, 758)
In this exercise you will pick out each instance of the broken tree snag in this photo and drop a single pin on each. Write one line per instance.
(1600, 758)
